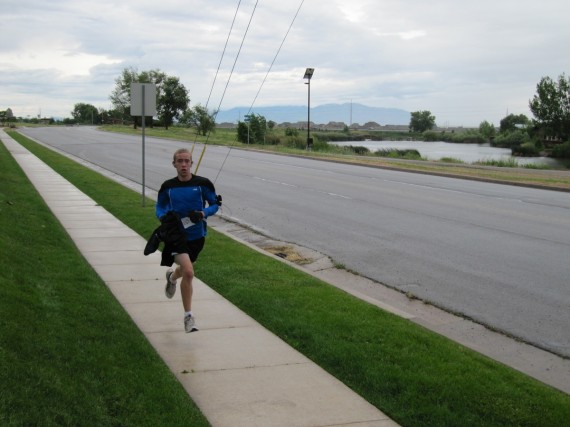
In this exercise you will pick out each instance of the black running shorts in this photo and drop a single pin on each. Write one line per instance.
(192, 248)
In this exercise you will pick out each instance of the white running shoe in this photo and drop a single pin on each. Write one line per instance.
(189, 324)
(170, 288)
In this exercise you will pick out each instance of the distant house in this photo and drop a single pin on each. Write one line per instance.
(334, 126)
(371, 126)
(226, 125)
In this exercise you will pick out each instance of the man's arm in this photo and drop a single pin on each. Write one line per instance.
(214, 201)
(162, 203)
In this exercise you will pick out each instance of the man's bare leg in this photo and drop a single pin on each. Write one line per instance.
(185, 270)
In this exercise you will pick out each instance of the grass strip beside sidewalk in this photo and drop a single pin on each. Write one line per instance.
(69, 353)
(415, 376)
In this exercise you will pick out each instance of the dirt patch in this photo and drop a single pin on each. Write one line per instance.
(289, 253)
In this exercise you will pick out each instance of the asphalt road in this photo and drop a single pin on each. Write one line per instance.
(495, 253)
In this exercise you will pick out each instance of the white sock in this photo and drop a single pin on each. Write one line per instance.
(187, 313)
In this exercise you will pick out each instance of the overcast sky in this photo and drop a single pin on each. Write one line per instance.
(464, 61)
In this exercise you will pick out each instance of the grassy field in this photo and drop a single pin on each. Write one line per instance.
(415, 376)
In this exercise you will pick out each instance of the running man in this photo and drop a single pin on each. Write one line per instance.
(193, 199)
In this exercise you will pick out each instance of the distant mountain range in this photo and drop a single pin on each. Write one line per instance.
(347, 113)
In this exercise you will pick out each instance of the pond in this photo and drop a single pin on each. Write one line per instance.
(468, 153)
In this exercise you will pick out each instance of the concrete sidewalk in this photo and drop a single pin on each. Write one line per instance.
(237, 372)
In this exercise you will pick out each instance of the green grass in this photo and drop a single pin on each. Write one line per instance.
(452, 160)
(415, 376)
(509, 163)
(69, 353)
(220, 136)
(540, 166)
(395, 153)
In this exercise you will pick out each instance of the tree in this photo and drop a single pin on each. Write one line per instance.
(513, 122)
(199, 117)
(6, 116)
(104, 115)
(487, 129)
(252, 130)
(86, 114)
(551, 107)
(121, 95)
(172, 100)
(421, 121)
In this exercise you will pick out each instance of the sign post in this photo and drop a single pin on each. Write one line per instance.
(143, 103)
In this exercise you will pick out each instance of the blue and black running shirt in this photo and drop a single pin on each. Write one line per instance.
(182, 197)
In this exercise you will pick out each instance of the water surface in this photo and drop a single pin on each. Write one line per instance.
(468, 153)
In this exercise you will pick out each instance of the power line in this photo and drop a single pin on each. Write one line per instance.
(223, 53)
(264, 79)
(217, 71)
(237, 56)
(227, 84)
(276, 55)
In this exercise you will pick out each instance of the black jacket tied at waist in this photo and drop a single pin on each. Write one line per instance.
(170, 231)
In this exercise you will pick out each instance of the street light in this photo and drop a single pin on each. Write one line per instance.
(308, 74)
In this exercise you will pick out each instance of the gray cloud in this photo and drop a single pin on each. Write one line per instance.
(465, 62)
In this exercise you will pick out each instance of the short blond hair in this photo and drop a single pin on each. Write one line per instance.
(180, 151)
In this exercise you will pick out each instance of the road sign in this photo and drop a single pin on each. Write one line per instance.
(143, 103)
(143, 99)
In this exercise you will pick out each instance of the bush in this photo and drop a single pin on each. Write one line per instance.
(467, 137)
(319, 145)
(341, 136)
(562, 151)
(295, 142)
(528, 149)
(431, 136)
(399, 154)
(291, 132)
(272, 139)
(360, 150)
(511, 139)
